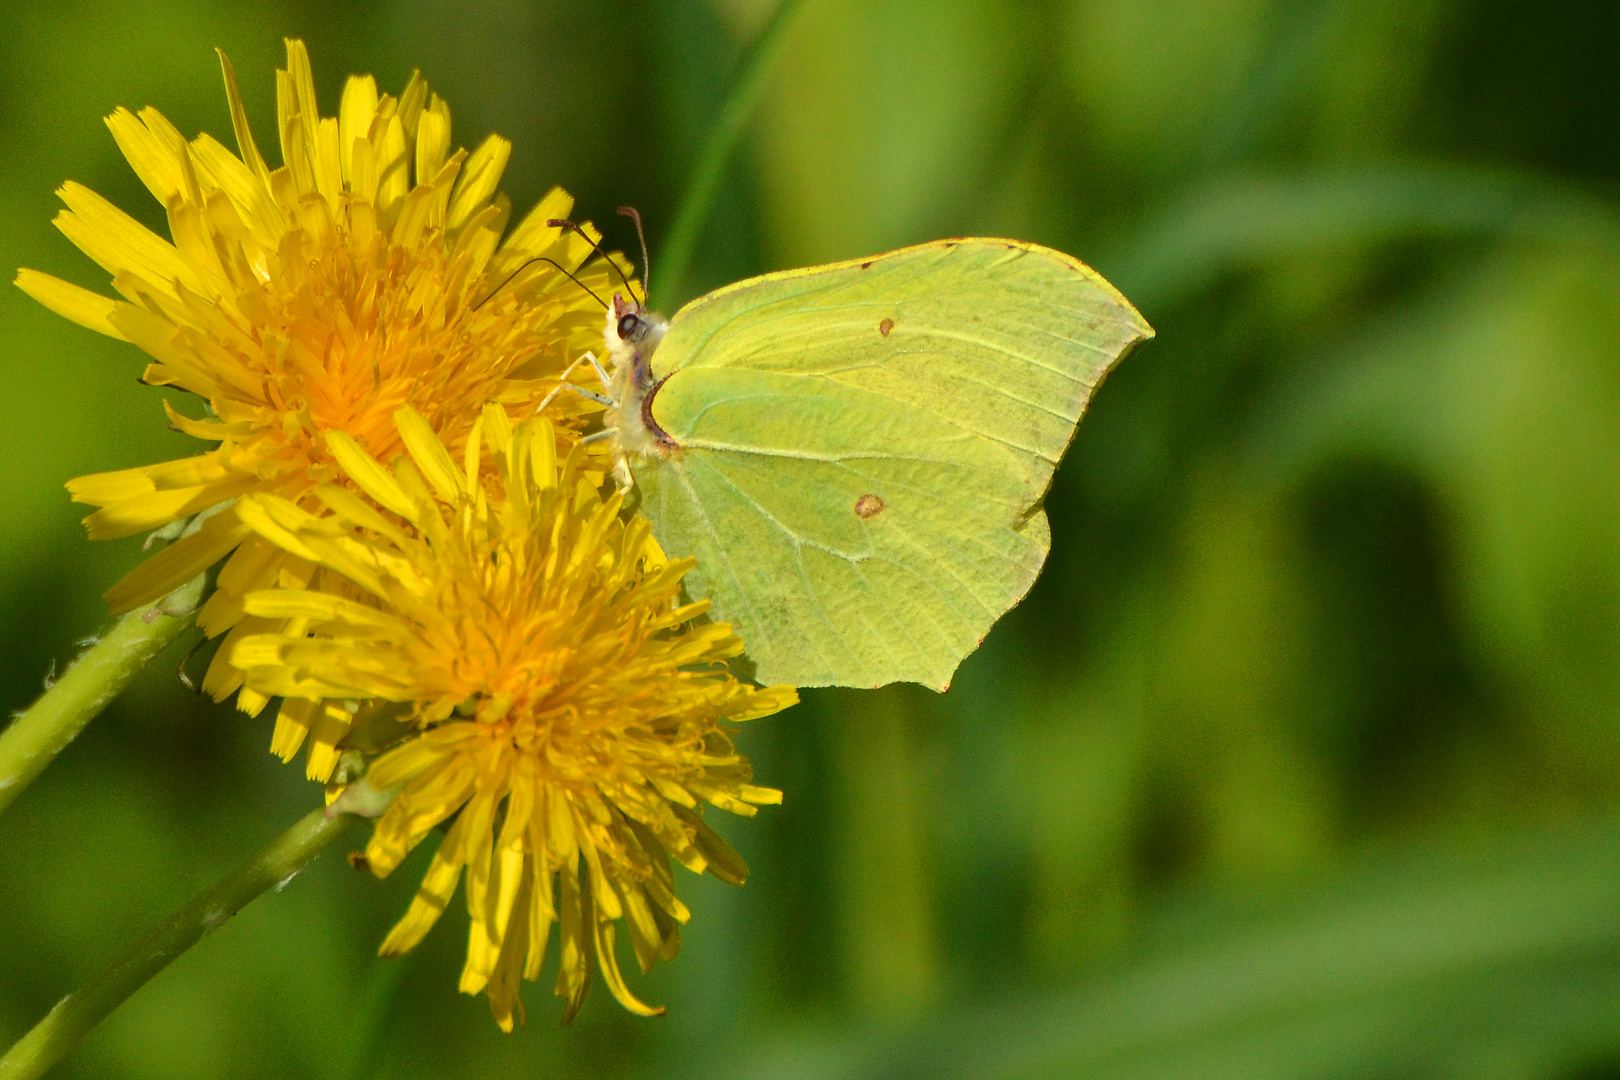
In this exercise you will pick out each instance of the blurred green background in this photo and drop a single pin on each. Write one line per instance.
(1302, 758)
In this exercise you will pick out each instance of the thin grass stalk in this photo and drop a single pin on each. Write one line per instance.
(98, 676)
(76, 1015)
(755, 71)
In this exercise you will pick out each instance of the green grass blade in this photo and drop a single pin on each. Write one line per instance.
(1247, 218)
(675, 257)
(1419, 966)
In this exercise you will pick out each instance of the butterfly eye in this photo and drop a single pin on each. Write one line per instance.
(628, 325)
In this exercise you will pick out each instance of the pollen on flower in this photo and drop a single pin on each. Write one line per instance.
(567, 711)
(366, 273)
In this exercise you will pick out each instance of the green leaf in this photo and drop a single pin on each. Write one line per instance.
(1458, 963)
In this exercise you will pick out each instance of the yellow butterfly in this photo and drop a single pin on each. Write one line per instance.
(856, 454)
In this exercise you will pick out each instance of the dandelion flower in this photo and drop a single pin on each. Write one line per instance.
(365, 274)
(567, 710)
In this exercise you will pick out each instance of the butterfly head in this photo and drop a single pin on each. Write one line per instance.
(631, 335)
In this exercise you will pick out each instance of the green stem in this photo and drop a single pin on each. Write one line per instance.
(693, 215)
(79, 1012)
(96, 677)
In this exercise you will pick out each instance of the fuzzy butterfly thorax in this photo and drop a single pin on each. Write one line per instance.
(631, 335)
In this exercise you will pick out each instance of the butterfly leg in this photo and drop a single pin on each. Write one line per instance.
(621, 467)
(621, 474)
(601, 376)
(600, 399)
(564, 384)
(561, 381)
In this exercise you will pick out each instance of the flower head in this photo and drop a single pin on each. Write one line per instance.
(566, 708)
(367, 273)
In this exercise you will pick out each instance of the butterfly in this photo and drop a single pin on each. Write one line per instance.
(856, 454)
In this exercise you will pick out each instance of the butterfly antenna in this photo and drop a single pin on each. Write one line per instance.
(531, 262)
(646, 263)
(596, 249)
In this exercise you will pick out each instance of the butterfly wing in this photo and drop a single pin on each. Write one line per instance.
(863, 449)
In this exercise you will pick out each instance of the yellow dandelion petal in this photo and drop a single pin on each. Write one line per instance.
(568, 719)
(90, 310)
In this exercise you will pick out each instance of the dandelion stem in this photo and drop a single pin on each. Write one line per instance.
(100, 674)
(754, 74)
(75, 1015)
